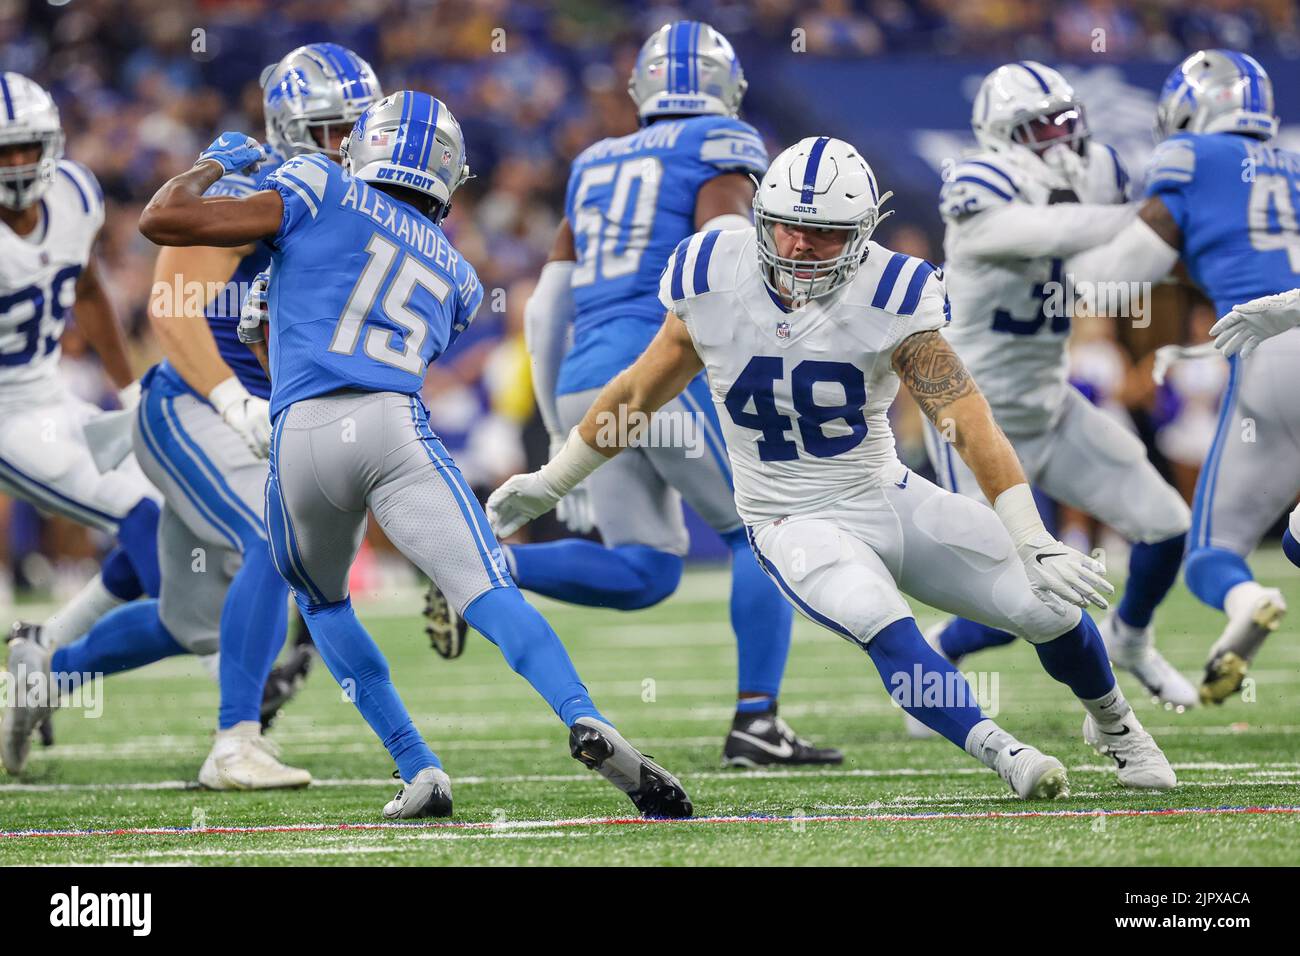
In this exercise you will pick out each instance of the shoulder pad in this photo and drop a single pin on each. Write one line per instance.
(701, 263)
(978, 183)
(84, 185)
(730, 144)
(1173, 163)
(894, 281)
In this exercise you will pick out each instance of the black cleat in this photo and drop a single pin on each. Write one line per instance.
(765, 740)
(446, 629)
(285, 680)
(653, 790)
(46, 730)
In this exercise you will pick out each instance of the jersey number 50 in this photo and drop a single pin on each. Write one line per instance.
(612, 239)
(756, 385)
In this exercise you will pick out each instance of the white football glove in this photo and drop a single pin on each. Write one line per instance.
(1068, 165)
(1060, 575)
(255, 312)
(129, 397)
(574, 510)
(246, 414)
(1242, 329)
(517, 502)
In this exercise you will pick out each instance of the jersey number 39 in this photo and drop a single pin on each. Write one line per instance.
(755, 386)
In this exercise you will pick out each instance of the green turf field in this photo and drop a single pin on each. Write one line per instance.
(666, 676)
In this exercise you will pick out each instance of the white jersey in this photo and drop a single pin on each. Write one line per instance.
(38, 277)
(802, 396)
(1010, 316)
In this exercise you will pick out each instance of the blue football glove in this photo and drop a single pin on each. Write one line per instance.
(235, 152)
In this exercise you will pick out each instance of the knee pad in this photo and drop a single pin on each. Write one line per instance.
(658, 572)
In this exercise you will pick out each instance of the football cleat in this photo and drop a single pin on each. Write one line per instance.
(242, 759)
(1137, 756)
(446, 629)
(428, 795)
(285, 680)
(1134, 651)
(1032, 774)
(32, 702)
(763, 739)
(652, 789)
(1230, 657)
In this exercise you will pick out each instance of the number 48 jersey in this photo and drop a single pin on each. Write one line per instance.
(365, 292)
(630, 201)
(1235, 199)
(38, 278)
(803, 396)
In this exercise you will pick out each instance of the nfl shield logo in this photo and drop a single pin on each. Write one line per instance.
(783, 330)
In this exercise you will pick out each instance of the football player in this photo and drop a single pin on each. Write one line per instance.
(1039, 190)
(805, 328)
(51, 211)
(365, 292)
(202, 434)
(630, 201)
(1223, 199)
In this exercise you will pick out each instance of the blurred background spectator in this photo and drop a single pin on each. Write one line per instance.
(144, 86)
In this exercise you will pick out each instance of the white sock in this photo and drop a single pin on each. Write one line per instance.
(1241, 597)
(79, 615)
(985, 740)
(1110, 709)
(212, 664)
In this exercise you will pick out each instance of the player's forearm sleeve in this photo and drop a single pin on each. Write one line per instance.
(1137, 254)
(1019, 231)
(548, 318)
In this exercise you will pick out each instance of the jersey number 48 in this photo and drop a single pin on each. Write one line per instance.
(756, 386)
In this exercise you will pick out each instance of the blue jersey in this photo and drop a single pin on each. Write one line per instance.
(630, 201)
(365, 291)
(222, 311)
(1235, 200)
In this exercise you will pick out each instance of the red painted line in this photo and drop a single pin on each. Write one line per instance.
(632, 821)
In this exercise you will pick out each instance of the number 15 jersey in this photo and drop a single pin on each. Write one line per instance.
(630, 200)
(803, 396)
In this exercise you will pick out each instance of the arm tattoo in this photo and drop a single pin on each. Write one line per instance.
(932, 372)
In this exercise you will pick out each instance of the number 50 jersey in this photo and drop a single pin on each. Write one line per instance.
(365, 292)
(630, 201)
(38, 278)
(803, 396)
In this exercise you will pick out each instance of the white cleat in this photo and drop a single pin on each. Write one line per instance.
(30, 699)
(1230, 657)
(1139, 759)
(1032, 774)
(915, 729)
(1134, 651)
(242, 759)
(428, 795)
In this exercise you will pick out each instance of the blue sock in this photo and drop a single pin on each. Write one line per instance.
(119, 577)
(1291, 547)
(1152, 571)
(910, 667)
(627, 577)
(125, 638)
(137, 533)
(1078, 659)
(963, 636)
(254, 621)
(532, 650)
(357, 664)
(762, 619)
(1211, 573)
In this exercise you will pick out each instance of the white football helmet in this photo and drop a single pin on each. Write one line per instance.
(1028, 106)
(28, 116)
(686, 68)
(1217, 91)
(824, 183)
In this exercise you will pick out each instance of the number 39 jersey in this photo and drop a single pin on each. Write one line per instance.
(630, 200)
(1235, 200)
(803, 396)
(38, 278)
(365, 292)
